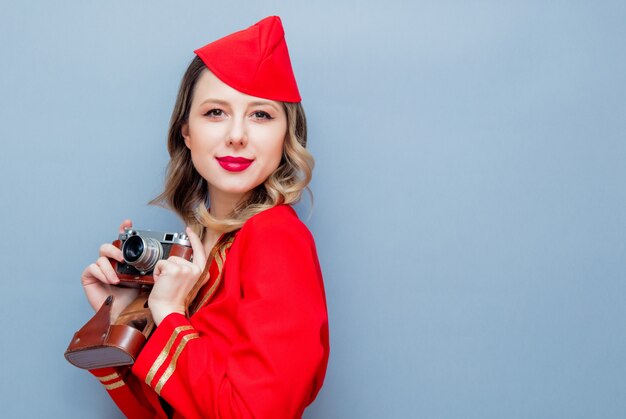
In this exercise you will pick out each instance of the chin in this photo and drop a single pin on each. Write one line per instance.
(238, 189)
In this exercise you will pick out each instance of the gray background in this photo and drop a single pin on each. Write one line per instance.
(469, 193)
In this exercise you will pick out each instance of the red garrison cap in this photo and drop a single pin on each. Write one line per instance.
(254, 61)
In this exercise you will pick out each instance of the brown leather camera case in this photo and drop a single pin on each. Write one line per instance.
(100, 343)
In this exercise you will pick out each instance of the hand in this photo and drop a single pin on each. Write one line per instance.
(173, 280)
(99, 279)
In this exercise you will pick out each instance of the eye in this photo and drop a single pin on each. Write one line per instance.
(214, 112)
(262, 115)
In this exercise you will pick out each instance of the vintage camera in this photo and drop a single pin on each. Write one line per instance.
(142, 249)
(105, 342)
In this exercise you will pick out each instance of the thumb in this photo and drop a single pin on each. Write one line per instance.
(199, 256)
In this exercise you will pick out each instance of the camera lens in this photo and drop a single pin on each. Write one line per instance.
(132, 249)
(142, 253)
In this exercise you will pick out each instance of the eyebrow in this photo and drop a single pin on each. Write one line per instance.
(225, 103)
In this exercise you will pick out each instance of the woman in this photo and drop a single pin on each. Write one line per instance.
(242, 329)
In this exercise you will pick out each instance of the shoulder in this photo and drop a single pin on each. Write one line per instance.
(276, 251)
(278, 219)
(278, 226)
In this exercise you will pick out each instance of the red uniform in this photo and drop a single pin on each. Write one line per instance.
(258, 349)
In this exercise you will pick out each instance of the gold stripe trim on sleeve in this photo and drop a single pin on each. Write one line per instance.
(113, 386)
(108, 377)
(172, 366)
(165, 353)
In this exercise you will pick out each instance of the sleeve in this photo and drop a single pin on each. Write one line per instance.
(126, 391)
(277, 360)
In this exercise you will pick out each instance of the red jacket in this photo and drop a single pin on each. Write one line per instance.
(258, 349)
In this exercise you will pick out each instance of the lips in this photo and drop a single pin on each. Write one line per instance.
(234, 164)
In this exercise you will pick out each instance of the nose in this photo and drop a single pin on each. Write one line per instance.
(238, 136)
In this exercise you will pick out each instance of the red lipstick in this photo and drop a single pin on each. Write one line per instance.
(234, 164)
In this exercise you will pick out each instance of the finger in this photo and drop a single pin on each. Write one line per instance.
(92, 272)
(110, 251)
(125, 224)
(165, 267)
(87, 278)
(159, 268)
(184, 266)
(180, 261)
(105, 266)
(199, 257)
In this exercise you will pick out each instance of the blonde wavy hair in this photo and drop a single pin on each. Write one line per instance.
(187, 193)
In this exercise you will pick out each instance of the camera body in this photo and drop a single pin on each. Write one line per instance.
(142, 249)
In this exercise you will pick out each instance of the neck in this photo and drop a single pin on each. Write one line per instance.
(222, 204)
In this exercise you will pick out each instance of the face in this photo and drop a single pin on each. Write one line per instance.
(236, 140)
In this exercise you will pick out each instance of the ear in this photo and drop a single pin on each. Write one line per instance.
(184, 131)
